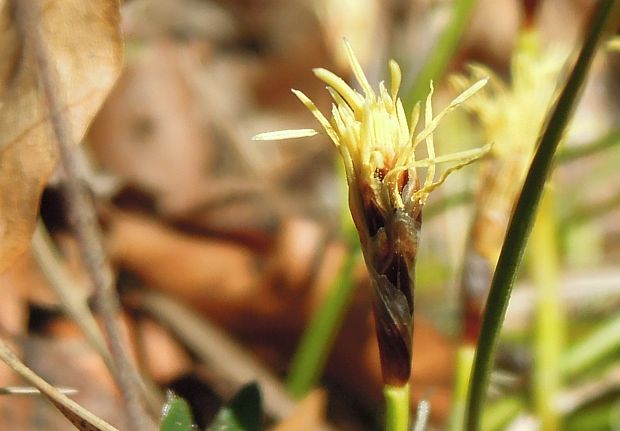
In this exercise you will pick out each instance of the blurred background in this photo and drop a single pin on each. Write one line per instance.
(251, 237)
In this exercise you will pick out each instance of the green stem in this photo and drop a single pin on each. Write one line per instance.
(566, 155)
(525, 210)
(543, 263)
(599, 417)
(499, 413)
(584, 355)
(396, 407)
(574, 153)
(437, 62)
(464, 361)
(318, 338)
(604, 341)
(584, 214)
(439, 206)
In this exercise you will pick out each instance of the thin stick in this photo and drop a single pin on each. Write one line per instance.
(75, 306)
(71, 296)
(29, 390)
(78, 415)
(84, 221)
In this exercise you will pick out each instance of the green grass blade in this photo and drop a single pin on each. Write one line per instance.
(598, 345)
(464, 361)
(543, 260)
(525, 210)
(564, 156)
(603, 143)
(320, 334)
(441, 54)
(501, 412)
(447, 202)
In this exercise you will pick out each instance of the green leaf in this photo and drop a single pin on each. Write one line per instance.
(243, 412)
(176, 414)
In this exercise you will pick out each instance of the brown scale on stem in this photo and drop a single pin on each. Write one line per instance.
(390, 255)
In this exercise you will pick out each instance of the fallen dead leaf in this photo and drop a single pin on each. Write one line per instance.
(26, 278)
(295, 260)
(164, 358)
(209, 274)
(309, 414)
(150, 130)
(14, 307)
(84, 43)
(248, 292)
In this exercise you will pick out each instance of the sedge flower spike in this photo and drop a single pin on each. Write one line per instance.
(386, 195)
(512, 115)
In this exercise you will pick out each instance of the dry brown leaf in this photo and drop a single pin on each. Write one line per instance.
(207, 273)
(84, 42)
(163, 356)
(14, 305)
(295, 259)
(150, 132)
(245, 291)
(25, 277)
(309, 414)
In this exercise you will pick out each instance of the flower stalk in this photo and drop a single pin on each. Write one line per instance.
(511, 115)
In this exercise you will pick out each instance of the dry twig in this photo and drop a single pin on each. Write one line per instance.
(83, 218)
